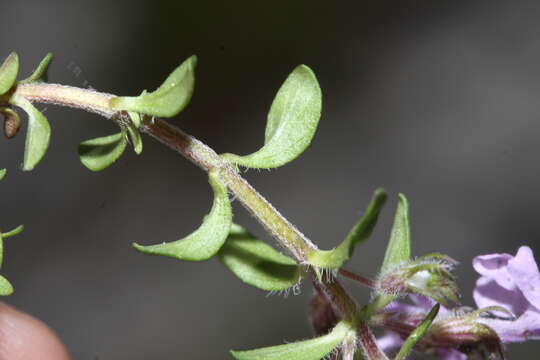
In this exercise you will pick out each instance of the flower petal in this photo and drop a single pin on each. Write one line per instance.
(494, 266)
(525, 274)
(526, 327)
(488, 292)
(389, 342)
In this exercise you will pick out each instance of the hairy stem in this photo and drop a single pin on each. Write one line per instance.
(358, 278)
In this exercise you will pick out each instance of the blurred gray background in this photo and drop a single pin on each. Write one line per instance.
(438, 100)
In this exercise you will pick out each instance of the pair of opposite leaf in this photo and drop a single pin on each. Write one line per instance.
(5, 286)
(167, 101)
(39, 130)
(291, 125)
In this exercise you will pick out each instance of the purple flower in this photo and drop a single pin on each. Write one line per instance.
(512, 282)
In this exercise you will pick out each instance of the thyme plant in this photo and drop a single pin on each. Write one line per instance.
(415, 300)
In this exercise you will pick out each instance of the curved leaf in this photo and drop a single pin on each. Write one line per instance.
(100, 153)
(5, 287)
(257, 263)
(8, 72)
(38, 135)
(12, 122)
(206, 241)
(169, 99)
(337, 257)
(19, 229)
(135, 138)
(292, 122)
(135, 118)
(314, 349)
(417, 333)
(40, 73)
(398, 250)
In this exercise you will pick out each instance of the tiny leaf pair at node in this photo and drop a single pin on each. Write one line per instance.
(167, 101)
(100, 153)
(291, 125)
(39, 131)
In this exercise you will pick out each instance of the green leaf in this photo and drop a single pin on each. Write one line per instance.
(398, 250)
(292, 122)
(135, 118)
(169, 99)
(314, 349)
(206, 241)
(98, 154)
(8, 73)
(19, 229)
(5, 287)
(40, 73)
(336, 258)
(258, 264)
(135, 138)
(12, 122)
(37, 136)
(417, 333)
(3, 173)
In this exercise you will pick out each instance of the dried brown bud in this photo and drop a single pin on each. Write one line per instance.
(12, 122)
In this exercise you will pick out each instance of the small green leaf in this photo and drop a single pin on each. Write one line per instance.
(336, 258)
(417, 333)
(169, 99)
(19, 229)
(3, 173)
(135, 138)
(100, 153)
(292, 122)
(5, 287)
(12, 122)
(398, 250)
(135, 118)
(206, 241)
(40, 73)
(8, 73)
(37, 136)
(258, 264)
(314, 349)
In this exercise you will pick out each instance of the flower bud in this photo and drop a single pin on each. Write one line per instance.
(465, 333)
(428, 275)
(322, 314)
(12, 122)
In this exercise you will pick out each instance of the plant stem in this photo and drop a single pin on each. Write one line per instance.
(204, 157)
(358, 278)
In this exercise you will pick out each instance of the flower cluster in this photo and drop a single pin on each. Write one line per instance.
(508, 299)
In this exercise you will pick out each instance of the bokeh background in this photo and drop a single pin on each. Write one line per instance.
(438, 100)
